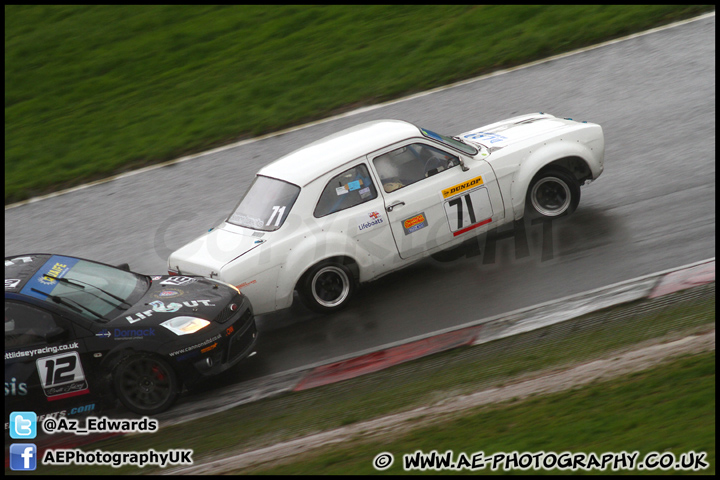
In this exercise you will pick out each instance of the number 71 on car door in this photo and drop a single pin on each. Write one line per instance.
(467, 208)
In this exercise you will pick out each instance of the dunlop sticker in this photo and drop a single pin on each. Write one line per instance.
(461, 187)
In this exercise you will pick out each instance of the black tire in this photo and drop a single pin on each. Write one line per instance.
(554, 192)
(145, 384)
(327, 287)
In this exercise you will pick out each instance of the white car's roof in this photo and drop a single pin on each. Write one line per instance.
(311, 161)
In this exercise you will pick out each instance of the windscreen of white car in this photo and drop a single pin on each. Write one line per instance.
(452, 142)
(266, 204)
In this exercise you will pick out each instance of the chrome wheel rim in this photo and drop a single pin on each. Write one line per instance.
(330, 286)
(551, 197)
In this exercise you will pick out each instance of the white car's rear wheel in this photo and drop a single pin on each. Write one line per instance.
(327, 287)
(554, 192)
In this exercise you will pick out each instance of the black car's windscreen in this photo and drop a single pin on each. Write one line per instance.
(87, 288)
(266, 205)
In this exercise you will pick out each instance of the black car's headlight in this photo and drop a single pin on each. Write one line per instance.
(185, 325)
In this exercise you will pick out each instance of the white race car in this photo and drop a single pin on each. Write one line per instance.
(379, 196)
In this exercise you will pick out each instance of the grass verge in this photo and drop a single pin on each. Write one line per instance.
(94, 90)
(670, 408)
(421, 382)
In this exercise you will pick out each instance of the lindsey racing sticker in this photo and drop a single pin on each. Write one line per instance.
(39, 351)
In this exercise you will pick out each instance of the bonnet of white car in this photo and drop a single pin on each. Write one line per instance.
(504, 133)
(210, 252)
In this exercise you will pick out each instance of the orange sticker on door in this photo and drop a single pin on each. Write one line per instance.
(413, 224)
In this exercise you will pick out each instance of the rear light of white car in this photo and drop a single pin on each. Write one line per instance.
(173, 272)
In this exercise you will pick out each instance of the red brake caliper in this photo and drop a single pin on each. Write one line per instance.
(158, 373)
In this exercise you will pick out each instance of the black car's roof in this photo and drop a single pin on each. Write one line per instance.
(20, 268)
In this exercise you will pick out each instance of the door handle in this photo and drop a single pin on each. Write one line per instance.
(396, 204)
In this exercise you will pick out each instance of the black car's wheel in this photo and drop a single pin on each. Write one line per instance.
(327, 287)
(145, 384)
(554, 192)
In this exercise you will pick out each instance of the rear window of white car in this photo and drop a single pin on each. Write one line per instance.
(352, 187)
(266, 204)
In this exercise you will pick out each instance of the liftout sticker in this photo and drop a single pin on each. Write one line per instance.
(413, 224)
(461, 187)
(369, 221)
(160, 307)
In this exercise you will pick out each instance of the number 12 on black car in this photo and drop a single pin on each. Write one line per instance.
(468, 211)
(61, 375)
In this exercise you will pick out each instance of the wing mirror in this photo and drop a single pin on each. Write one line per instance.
(462, 165)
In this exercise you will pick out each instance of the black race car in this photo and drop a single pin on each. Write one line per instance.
(79, 332)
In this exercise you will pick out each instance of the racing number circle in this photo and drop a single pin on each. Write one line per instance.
(145, 384)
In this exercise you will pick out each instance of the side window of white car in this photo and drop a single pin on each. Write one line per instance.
(352, 187)
(409, 164)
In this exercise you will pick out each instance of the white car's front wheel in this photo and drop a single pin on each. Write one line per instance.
(327, 287)
(554, 192)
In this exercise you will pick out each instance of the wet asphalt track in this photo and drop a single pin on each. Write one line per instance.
(652, 209)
